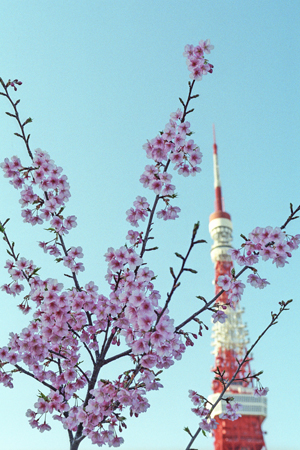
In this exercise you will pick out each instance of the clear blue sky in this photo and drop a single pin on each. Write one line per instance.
(100, 78)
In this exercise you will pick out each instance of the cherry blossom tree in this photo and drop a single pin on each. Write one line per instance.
(74, 331)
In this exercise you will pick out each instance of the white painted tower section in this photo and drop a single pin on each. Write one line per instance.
(220, 230)
(232, 334)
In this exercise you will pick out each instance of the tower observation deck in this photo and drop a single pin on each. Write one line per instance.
(230, 343)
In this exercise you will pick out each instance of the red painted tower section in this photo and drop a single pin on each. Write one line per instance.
(230, 341)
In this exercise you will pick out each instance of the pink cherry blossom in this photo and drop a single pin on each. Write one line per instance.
(231, 411)
(224, 281)
(261, 392)
(256, 281)
(208, 424)
(219, 316)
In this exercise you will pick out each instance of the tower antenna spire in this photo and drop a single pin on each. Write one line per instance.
(217, 180)
(214, 134)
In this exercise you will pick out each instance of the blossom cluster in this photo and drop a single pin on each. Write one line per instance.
(70, 260)
(65, 320)
(235, 288)
(267, 243)
(198, 401)
(197, 64)
(171, 146)
(18, 271)
(207, 423)
(231, 411)
(261, 392)
(135, 301)
(23, 269)
(47, 177)
(139, 212)
(15, 83)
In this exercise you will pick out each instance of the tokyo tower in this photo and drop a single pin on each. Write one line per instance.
(230, 342)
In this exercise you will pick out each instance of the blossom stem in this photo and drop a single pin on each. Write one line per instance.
(150, 223)
(283, 307)
(33, 376)
(17, 117)
(86, 347)
(291, 217)
(12, 250)
(26, 141)
(119, 355)
(176, 279)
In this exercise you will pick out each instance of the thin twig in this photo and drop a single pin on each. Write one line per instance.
(291, 217)
(208, 304)
(283, 307)
(181, 270)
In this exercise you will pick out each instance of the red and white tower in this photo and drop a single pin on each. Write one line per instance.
(230, 342)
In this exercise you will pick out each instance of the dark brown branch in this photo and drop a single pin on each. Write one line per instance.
(291, 217)
(181, 270)
(17, 117)
(114, 358)
(150, 220)
(85, 346)
(208, 304)
(33, 376)
(12, 250)
(65, 357)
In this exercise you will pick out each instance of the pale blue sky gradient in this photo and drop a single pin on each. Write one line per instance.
(99, 79)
